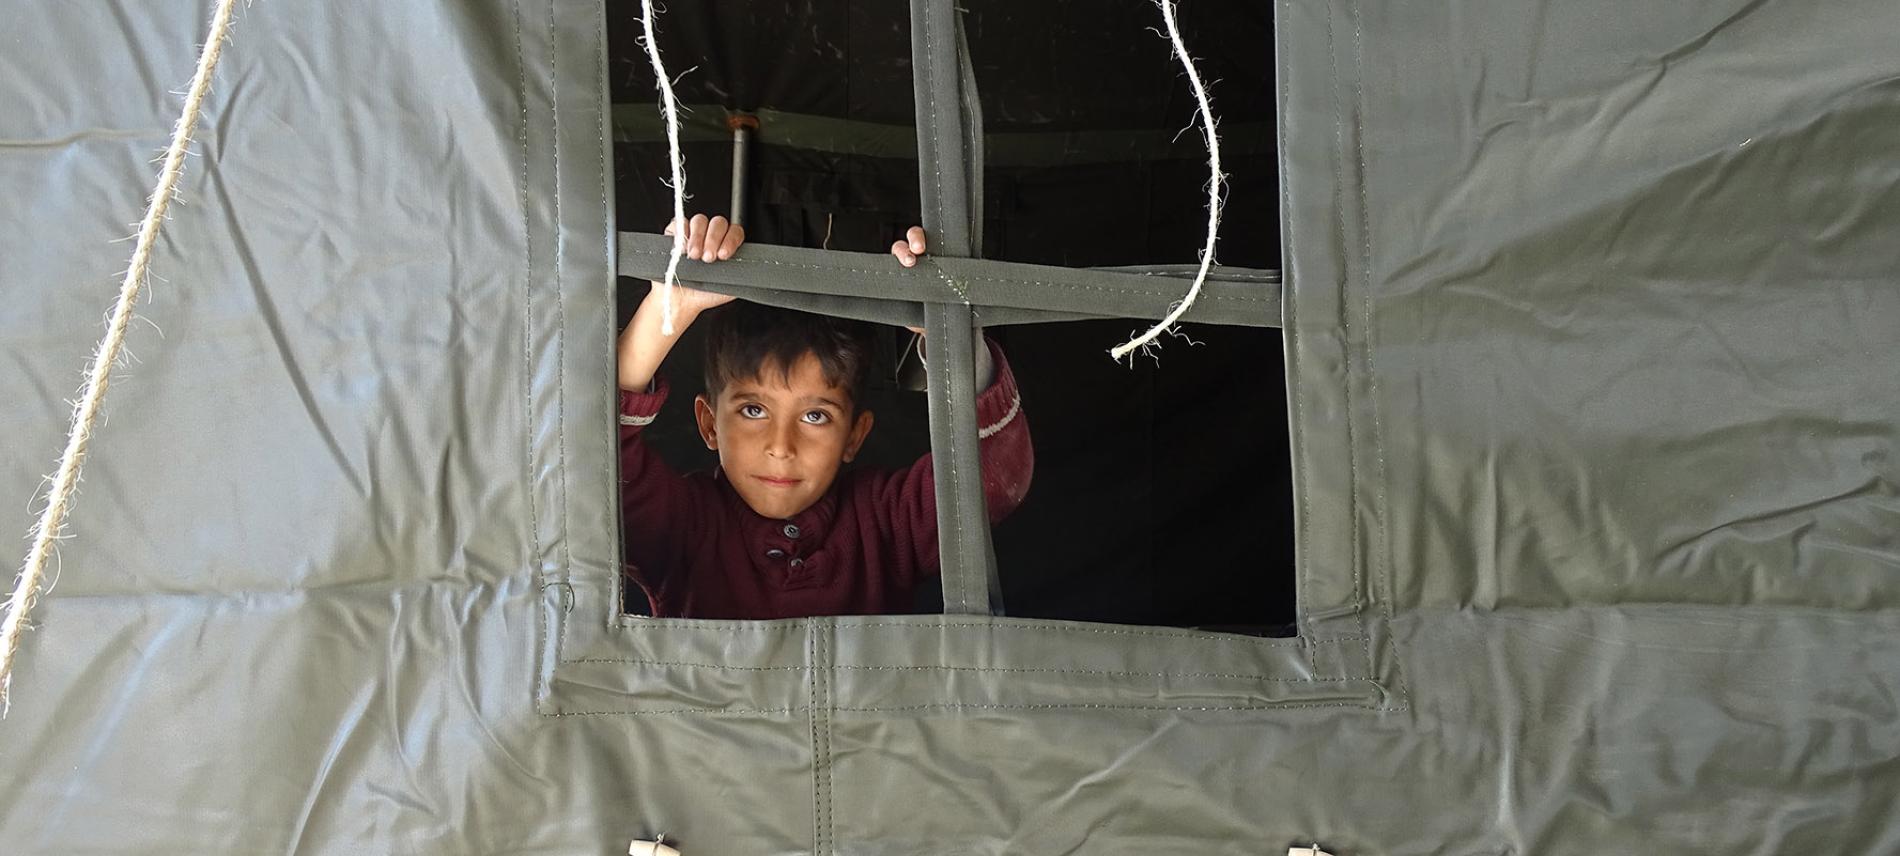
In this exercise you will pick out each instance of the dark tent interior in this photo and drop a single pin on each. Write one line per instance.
(1162, 493)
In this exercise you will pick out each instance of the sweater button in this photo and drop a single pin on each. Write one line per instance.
(791, 531)
(798, 563)
(775, 553)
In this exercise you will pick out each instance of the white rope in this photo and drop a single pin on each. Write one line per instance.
(59, 498)
(670, 107)
(1213, 190)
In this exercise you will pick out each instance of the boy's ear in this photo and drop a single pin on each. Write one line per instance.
(703, 414)
(860, 429)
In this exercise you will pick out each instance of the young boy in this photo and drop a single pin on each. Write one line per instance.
(780, 530)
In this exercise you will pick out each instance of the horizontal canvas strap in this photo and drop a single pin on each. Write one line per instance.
(873, 287)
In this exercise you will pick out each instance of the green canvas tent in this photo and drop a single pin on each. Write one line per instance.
(1588, 535)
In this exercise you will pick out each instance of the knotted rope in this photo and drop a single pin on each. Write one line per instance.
(1214, 186)
(670, 107)
(59, 498)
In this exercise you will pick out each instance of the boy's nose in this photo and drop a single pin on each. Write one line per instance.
(780, 440)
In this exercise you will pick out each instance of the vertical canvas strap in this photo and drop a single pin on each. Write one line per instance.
(937, 83)
(947, 137)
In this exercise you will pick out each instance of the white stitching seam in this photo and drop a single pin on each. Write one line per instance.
(1015, 407)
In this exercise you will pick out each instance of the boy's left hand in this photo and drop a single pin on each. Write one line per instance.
(910, 247)
(907, 250)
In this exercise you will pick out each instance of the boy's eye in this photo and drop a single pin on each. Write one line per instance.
(751, 411)
(817, 417)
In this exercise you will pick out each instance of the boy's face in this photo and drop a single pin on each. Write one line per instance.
(780, 439)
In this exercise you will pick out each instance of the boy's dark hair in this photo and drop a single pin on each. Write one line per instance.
(743, 337)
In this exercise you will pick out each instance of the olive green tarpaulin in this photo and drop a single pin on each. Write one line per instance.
(1592, 313)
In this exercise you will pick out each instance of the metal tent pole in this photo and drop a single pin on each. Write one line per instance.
(742, 126)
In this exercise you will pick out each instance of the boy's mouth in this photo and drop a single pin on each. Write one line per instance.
(770, 481)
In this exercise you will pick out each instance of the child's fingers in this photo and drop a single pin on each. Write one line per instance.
(695, 235)
(714, 239)
(916, 237)
(734, 237)
(672, 226)
(904, 256)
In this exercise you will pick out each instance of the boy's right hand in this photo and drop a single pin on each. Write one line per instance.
(707, 240)
(646, 341)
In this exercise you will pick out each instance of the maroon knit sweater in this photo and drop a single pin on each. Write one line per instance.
(699, 551)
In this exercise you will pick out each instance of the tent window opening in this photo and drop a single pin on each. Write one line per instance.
(1162, 490)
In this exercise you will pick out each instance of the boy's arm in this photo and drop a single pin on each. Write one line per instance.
(907, 251)
(1008, 460)
(645, 344)
(661, 509)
